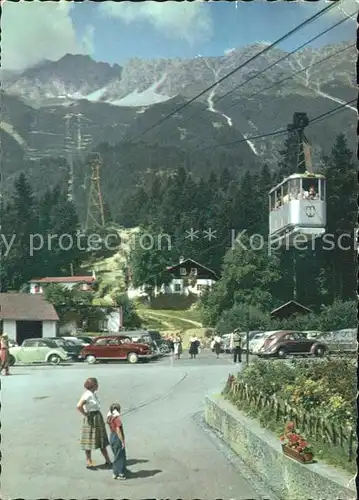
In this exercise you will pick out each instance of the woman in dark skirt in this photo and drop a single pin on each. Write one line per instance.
(193, 347)
(117, 441)
(93, 435)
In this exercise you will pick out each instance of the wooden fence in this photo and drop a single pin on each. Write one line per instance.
(309, 424)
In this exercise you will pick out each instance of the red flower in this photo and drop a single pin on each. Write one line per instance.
(290, 426)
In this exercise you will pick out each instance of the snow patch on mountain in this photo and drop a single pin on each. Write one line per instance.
(96, 95)
(145, 98)
(251, 145)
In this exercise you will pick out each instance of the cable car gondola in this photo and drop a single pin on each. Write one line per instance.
(297, 205)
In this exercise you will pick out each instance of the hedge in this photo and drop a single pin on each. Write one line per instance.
(319, 395)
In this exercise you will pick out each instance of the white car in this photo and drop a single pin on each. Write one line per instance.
(258, 340)
(38, 351)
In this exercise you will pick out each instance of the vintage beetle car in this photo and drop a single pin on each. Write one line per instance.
(38, 351)
(115, 348)
(284, 343)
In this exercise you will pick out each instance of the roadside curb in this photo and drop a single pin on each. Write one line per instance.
(261, 452)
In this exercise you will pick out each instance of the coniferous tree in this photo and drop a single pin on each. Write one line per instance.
(20, 224)
(341, 261)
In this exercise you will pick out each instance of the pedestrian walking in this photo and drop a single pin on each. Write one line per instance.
(117, 441)
(93, 435)
(171, 344)
(4, 353)
(177, 347)
(193, 347)
(217, 345)
(236, 342)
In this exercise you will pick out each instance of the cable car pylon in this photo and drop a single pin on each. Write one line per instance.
(95, 217)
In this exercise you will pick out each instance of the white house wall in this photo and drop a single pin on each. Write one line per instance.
(67, 286)
(171, 287)
(49, 328)
(9, 327)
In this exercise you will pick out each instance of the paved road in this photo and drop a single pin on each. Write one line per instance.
(172, 454)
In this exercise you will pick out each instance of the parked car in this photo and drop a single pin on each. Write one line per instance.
(38, 351)
(313, 334)
(257, 342)
(341, 341)
(85, 339)
(226, 343)
(79, 340)
(284, 343)
(115, 348)
(161, 343)
(12, 343)
(251, 335)
(72, 347)
(143, 337)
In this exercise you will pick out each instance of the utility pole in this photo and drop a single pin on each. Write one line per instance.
(95, 213)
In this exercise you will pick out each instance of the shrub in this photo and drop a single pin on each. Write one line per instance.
(339, 315)
(268, 377)
(245, 317)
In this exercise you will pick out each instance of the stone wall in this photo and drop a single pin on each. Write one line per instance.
(261, 451)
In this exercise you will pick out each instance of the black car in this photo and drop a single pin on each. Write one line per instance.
(84, 338)
(162, 344)
(73, 349)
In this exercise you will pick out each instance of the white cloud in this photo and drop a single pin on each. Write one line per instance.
(342, 8)
(228, 52)
(36, 30)
(189, 21)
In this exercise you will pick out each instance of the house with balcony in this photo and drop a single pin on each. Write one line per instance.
(189, 277)
(186, 277)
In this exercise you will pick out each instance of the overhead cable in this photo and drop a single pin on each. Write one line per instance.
(286, 56)
(238, 68)
(280, 131)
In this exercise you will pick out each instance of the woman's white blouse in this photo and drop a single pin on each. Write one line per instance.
(92, 402)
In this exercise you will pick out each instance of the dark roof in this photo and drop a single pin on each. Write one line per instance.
(290, 307)
(26, 307)
(186, 261)
(64, 279)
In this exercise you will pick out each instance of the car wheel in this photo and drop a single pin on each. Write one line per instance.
(54, 359)
(132, 358)
(282, 353)
(11, 360)
(91, 359)
(319, 351)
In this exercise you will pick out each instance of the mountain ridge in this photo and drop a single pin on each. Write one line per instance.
(68, 107)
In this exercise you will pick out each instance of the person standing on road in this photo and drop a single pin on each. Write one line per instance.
(117, 441)
(93, 435)
(4, 353)
(193, 347)
(217, 345)
(171, 344)
(236, 346)
(177, 347)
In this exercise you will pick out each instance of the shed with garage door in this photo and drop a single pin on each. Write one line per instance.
(25, 316)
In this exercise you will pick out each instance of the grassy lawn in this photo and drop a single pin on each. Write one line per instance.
(190, 314)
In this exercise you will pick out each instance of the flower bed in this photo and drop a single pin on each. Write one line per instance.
(315, 396)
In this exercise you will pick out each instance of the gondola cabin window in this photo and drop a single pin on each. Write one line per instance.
(297, 206)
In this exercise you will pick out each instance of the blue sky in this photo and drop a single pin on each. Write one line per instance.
(115, 32)
(115, 40)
